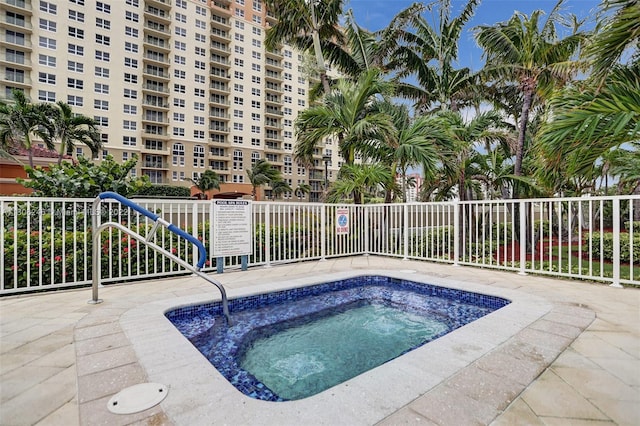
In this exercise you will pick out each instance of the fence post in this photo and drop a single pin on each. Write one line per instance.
(323, 232)
(523, 237)
(405, 219)
(456, 233)
(616, 243)
(194, 227)
(267, 236)
(365, 212)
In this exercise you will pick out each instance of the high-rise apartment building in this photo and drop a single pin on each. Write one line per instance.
(184, 85)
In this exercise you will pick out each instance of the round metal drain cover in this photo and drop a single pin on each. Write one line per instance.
(137, 398)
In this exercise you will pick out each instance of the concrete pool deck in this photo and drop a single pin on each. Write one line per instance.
(574, 360)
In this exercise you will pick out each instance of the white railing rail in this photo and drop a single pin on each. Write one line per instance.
(46, 242)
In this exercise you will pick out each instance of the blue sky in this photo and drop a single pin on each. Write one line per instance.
(376, 14)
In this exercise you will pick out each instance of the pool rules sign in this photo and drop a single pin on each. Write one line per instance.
(342, 221)
(231, 228)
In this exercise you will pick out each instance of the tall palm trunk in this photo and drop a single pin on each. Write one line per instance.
(528, 89)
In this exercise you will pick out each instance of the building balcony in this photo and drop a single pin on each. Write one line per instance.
(220, 61)
(273, 112)
(219, 74)
(218, 156)
(271, 124)
(273, 65)
(154, 151)
(155, 88)
(23, 81)
(157, 44)
(221, 4)
(221, 170)
(216, 101)
(157, 14)
(155, 165)
(273, 88)
(158, 59)
(273, 136)
(273, 76)
(155, 134)
(274, 54)
(157, 29)
(219, 48)
(156, 74)
(16, 24)
(14, 61)
(161, 4)
(221, 22)
(271, 18)
(272, 147)
(219, 115)
(217, 142)
(221, 35)
(23, 44)
(272, 100)
(219, 129)
(155, 119)
(21, 6)
(219, 88)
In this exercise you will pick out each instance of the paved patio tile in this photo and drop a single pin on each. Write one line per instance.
(105, 360)
(448, 406)
(550, 396)
(406, 416)
(485, 387)
(623, 413)
(19, 380)
(518, 414)
(592, 346)
(597, 383)
(37, 402)
(66, 415)
(109, 382)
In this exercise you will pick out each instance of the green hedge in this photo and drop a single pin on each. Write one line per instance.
(165, 191)
(607, 246)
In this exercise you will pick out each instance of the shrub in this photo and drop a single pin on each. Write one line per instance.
(165, 191)
(607, 246)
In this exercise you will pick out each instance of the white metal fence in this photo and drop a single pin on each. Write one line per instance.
(46, 243)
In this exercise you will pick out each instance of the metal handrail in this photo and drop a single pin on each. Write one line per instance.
(98, 228)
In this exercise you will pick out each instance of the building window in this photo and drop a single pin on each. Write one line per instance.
(103, 23)
(75, 100)
(46, 96)
(237, 160)
(178, 154)
(198, 156)
(75, 83)
(100, 104)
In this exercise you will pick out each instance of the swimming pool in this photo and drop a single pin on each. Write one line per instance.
(200, 394)
(271, 352)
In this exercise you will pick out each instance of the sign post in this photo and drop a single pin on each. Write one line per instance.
(232, 227)
(342, 221)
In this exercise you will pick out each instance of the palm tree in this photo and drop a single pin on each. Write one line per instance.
(206, 181)
(302, 190)
(71, 129)
(279, 187)
(484, 129)
(416, 48)
(409, 143)
(355, 180)
(262, 173)
(530, 55)
(597, 115)
(22, 120)
(619, 33)
(346, 113)
(308, 25)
